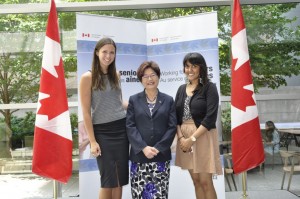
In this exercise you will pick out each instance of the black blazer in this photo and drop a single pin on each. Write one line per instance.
(144, 130)
(204, 105)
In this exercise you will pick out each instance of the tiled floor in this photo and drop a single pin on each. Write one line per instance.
(29, 186)
(260, 185)
(267, 182)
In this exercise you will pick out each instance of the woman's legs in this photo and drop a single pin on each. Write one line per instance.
(105, 193)
(204, 186)
(110, 193)
(196, 181)
(117, 193)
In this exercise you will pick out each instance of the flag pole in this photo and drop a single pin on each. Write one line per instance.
(56, 189)
(244, 185)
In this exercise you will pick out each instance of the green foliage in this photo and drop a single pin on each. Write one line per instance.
(20, 77)
(74, 122)
(155, 14)
(21, 127)
(273, 44)
(24, 126)
(226, 123)
(22, 1)
(21, 57)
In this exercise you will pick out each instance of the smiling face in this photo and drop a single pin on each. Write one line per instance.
(150, 79)
(192, 72)
(107, 55)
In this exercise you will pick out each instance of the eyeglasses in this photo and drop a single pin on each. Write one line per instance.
(152, 76)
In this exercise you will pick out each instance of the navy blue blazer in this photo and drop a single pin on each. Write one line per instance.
(144, 130)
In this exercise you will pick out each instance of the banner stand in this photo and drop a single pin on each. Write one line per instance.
(57, 190)
(151, 40)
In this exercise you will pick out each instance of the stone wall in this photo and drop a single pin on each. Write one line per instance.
(281, 106)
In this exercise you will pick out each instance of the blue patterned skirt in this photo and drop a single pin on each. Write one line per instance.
(150, 180)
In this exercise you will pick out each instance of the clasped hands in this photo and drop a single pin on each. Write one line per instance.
(150, 152)
(186, 144)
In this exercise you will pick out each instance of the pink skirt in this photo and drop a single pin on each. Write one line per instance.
(205, 157)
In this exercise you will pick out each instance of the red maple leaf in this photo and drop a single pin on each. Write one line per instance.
(56, 103)
(241, 97)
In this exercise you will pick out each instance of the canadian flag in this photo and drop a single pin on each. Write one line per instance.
(52, 148)
(247, 147)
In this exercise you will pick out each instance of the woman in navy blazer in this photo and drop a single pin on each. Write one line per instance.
(151, 127)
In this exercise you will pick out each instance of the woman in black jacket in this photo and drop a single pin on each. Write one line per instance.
(197, 105)
(151, 128)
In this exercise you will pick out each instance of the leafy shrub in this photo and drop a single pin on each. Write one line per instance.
(24, 126)
(74, 122)
(21, 127)
(226, 124)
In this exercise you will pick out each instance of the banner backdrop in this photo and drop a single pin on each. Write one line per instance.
(164, 41)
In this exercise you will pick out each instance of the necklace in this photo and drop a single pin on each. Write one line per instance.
(151, 100)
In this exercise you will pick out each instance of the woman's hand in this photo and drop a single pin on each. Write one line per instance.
(95, 149)
(150, 152)
(186, 144)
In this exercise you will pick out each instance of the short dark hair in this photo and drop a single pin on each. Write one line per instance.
(145, 65)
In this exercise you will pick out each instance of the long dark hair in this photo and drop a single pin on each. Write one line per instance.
(270, 130)
(97, 73)
(197, 59)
